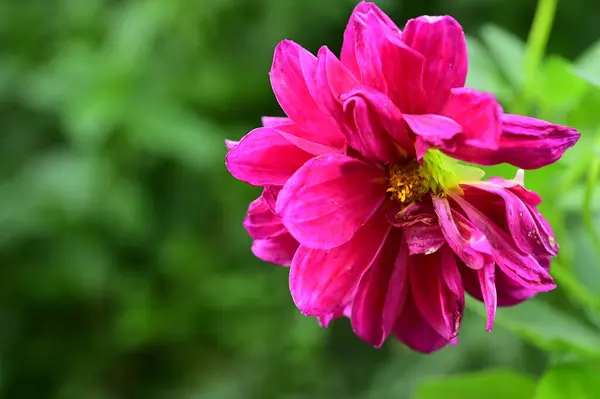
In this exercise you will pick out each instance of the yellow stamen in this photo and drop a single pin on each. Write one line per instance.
(407, 183)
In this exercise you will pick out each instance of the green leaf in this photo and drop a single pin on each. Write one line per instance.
(508, 51)
(557, 85)
(546, 327)
(498, 384)
(570, 380)
(588, 64)
(483, 74)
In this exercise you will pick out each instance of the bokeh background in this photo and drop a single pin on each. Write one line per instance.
(124, 269)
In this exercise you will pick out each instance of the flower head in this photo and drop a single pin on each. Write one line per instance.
(385, 226)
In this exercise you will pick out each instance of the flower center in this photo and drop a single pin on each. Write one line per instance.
(438, 174)
(407, 182)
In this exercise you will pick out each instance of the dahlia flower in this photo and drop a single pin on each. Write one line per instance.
(364, 195)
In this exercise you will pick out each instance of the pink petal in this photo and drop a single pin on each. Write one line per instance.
(324, 281)
(278, 250)
(348, 55)
(468, 243)
(412, 329)
(229, 144)
(415, 213)
(388, 65)
(423, 239)
(432, 131)
(329, 199)
(293, 80)
(487, 282)
(315, 143)
(479, 116)
(381, 292)
(377, 129)
(523, 268)
(261, 222)
(442, 42)
(437, 290)
(274, 121)
(333, 80)
(264, 157)
(324, 321)
(528, 143)
(522, 225)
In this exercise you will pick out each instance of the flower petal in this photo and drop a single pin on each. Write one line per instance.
(523, 268)
(264, 157)
(432, 131)
(467, 242)
(522, 225)
(442, 42)
(293, 80)
(388, 65)
(324, 321)
(412, 329)
(528, 143)
(423, 239)
(278, 250)
(348, 54)
(376, 128)
(481, 284)
(229, 144)
(380, 292)
(324, 281)
(329, 199)
(274, 121)
(437, 290)
(261, 222)
(315, 143)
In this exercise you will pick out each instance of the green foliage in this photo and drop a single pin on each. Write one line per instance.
(497, 384)
(125, 270)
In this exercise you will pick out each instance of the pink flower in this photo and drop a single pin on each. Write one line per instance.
(392, 230)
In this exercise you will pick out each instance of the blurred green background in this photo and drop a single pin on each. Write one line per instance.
(125, 270)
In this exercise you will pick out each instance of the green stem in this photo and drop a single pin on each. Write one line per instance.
(536, 47)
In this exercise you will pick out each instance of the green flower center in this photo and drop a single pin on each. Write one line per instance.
(439, 174)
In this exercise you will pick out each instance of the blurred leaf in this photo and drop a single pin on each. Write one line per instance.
(498, 384)
(557, 86)
(570, 380)
(483, 73)
(508, 51)
(588, 64)
(546, 327)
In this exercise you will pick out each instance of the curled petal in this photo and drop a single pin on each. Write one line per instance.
(388, 65)
(294, 84)
(329, 199)
(528, 143)
(442, 42)
(376, 127)
(348, 54)
(278, 250)
(438, 292)
(381, 293)
(264, 157)
(261, 222)
(423, 239)
(324, 321)
(324, 281)
(432, 131)
(528, 233)
(415, 213)
(315, 143)
(467, 242)
(523, 268)
(229, 144)
(274, 121)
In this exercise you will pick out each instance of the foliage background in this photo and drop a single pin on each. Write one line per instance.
(125, 271)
